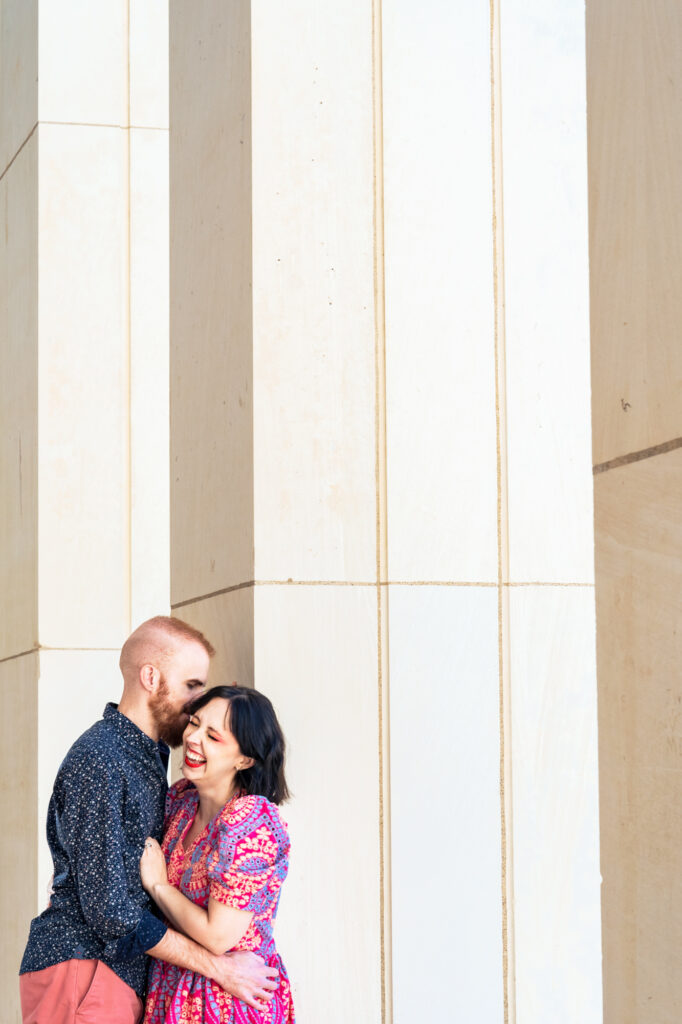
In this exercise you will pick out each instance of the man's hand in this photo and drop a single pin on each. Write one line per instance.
(247, 977)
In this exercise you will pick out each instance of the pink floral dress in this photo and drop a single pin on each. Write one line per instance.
(241, 860)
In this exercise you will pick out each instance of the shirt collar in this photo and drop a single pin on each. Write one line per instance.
(134, 736)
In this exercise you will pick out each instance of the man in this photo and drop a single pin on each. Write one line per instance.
(86, 957)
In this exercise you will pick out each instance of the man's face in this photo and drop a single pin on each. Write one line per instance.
(183, 679)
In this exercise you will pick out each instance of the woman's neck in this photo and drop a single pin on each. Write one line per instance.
(212, 801)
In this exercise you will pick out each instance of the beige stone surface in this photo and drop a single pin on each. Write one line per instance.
(440, 365)
(313, 292)
(83, 59)
(639, 648)
(546, 291)
(18, 75)
(84, 525)
(19, 895)
(148, 42)
(316, 658)
(210, 294)
(445, 851)
(227, 621)
(555, 819)
(635, 146)
(19, 403)
(149, 376)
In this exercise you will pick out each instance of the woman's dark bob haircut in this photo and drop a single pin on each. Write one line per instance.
(253, 723)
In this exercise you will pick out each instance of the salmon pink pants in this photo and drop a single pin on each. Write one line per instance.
(78, 992)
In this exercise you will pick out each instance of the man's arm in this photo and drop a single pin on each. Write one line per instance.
(242, 974)
(88, 817)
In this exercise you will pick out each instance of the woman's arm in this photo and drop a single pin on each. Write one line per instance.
(217, 929)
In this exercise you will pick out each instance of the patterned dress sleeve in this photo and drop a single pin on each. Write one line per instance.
(250, 860)
(176, 795)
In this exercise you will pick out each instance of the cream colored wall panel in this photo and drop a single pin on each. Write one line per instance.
(19, 403)
(316, 658)
(149, 63)
(149, 370)
(20, 822)
(18, 75)
(546, 291)
(635, 141)
(83, 388)
(73, 690)
(83, 59)
(313, 292)
(227, 621)
(555, 827)
(639, 649)
(211, 299)
(440, 369)
(445, 828)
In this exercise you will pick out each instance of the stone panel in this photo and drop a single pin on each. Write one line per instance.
(440, 365)
(635, 145)
(211, 299)
(19, 403)
(316, 658)
(83, 533)
(149, 376)
(18, 75)
(20, 896)
(445, 804)
(313, 293)
(639, 649)
(555, 830)
(83, 55)
(546, 295)
(149, 64)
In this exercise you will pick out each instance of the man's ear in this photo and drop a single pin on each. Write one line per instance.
(149, 677)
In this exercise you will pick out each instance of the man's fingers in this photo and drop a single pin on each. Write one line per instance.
(251, 1001)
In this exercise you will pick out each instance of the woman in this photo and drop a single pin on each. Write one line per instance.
(218, 874)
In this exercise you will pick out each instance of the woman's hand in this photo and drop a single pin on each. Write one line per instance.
(152, 866)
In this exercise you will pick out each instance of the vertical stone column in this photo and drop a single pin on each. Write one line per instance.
(493, 710)
(381, 489)
(19, 472)
(634, 97)
(550, 597)
(84, 393)
(273, 435)
(446, 828)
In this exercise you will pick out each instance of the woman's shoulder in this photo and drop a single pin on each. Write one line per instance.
(180, 788)
(181, 794)
(246, 814)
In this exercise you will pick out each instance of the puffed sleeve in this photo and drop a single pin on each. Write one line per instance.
(176, 798)
(250, 861)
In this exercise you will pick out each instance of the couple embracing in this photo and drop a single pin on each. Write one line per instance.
(165, 894)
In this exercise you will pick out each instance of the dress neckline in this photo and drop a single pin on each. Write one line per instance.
(187, 852)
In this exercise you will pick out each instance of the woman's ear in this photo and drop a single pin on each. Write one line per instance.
(244, 763)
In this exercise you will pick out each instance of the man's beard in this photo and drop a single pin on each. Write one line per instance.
(169, 721)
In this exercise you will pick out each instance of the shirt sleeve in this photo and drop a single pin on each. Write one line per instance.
(249, 865)
(91, 829)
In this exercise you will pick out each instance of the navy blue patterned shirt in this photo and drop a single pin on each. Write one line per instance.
(108, 796)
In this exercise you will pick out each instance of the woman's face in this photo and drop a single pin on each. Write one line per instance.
(211, 754)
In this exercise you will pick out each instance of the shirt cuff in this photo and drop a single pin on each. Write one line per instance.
(149, 931)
